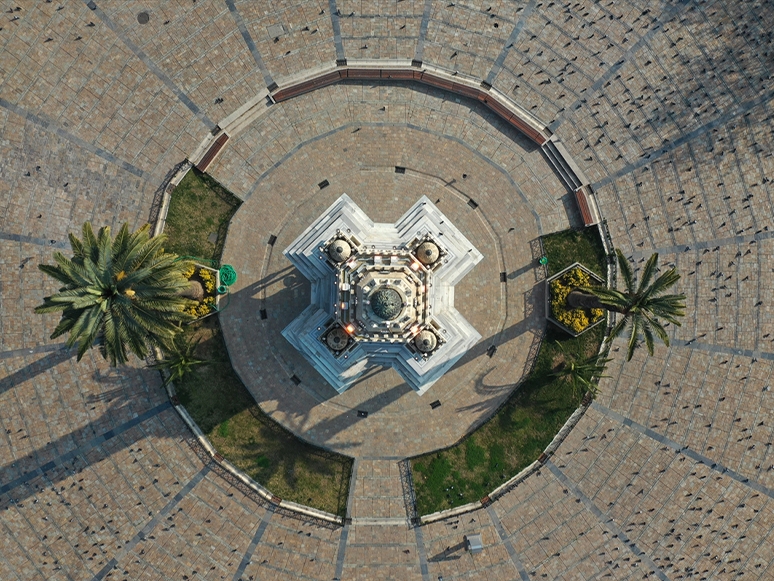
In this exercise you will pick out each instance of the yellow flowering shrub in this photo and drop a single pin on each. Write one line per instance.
(575, 319)
(199, 309)
(208, 279)
(189, 271)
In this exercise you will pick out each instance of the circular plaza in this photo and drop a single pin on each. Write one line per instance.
(651, 121)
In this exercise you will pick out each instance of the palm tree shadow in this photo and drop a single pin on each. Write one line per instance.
(36, 368)
(71, 452)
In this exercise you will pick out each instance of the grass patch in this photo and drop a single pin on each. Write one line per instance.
(584, 246)
(529, 420)
(199, 213)
(214, 395)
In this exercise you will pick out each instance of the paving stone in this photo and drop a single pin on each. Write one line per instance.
(666, 110)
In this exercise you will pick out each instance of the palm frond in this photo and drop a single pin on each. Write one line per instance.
(647, 272)
(626, 272)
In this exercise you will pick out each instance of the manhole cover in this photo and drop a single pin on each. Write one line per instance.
(143, 18)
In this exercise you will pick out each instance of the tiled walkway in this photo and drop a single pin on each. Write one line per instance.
(665, 108)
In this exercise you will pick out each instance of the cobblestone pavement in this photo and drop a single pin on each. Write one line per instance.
(664, 107)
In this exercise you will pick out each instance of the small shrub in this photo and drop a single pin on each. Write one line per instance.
(575, 319)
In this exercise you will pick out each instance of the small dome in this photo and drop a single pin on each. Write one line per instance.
(427, 253)
(425, 341)
(386, 303)
(337, 339)
(339, 250)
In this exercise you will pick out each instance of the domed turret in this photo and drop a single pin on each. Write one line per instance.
(337, 339)
(427, 253)
(425, 341)
(339, 250)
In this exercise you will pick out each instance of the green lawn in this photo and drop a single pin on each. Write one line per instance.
(199, 212)
(538, 408)
(214, 395)
(584, 246)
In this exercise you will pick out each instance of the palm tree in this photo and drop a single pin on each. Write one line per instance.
(121, 294)
(180, 360)
(641, 305)
(580, 372)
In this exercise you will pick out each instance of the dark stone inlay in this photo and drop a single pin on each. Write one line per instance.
(101, 439)
(605, 520)
(498, 64)
(148, 528)
(684, 138)
(143, 18)
(34, 240)
(254, 543)
(685, 450)
(336, 26)
(267, 78)
(154, 68)
(51, 127)
(422, 553)
(507, 542)
(420, 51)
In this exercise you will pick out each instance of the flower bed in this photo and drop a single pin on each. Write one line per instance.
(208, 279)
(574, 321)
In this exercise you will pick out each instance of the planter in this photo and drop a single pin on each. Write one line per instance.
(574, 322)
(209, 278)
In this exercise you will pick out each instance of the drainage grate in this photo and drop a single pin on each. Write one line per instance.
(436, 404)
(263, 314)
(295, 379)
(472, 203)
(399, 169)
(272, 240)
(323, 184)
(362, 414)
(503, 277)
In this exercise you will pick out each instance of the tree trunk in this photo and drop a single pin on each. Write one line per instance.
(580, 300)
(194, 291)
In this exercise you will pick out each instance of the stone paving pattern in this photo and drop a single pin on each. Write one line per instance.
(665, 108)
